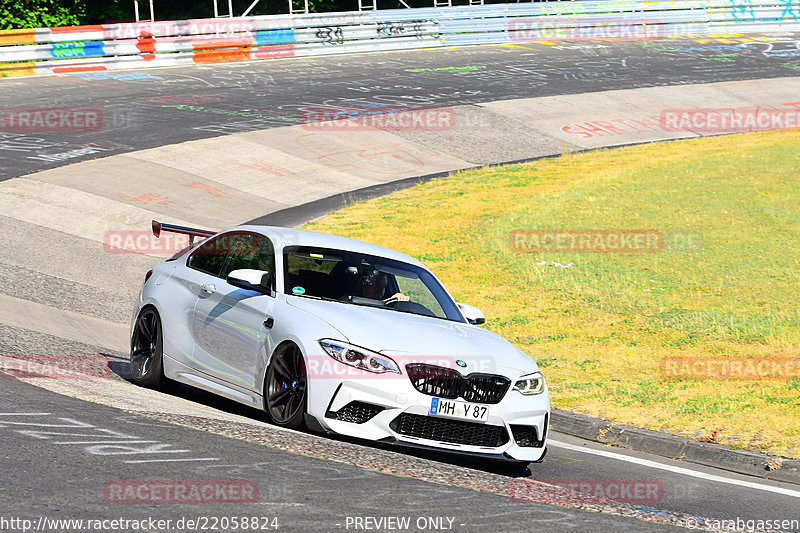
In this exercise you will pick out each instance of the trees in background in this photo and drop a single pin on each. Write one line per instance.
(41, 13)
(44, 13)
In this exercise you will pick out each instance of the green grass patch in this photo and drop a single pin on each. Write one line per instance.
(723, 283)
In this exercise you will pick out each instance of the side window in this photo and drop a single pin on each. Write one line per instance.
(210, 256)
(250, 250)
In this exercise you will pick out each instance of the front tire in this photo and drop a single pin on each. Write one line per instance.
(285, 389)
(147, 363)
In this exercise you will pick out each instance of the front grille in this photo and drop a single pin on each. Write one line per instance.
(485, 388)
(449, 431)
(435, 380)
(448, 383)
(355, 412)
(528, 436)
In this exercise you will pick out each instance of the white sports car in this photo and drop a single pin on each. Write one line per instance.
(337, 335)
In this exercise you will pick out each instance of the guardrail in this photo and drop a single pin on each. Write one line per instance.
(144, 44)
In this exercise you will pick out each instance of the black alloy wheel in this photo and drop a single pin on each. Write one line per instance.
(146, 350)
(286, 392)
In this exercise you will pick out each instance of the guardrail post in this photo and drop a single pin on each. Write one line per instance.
(230, 10)
(367, 5)
(136, 10)
(247, 11)
(298, 11)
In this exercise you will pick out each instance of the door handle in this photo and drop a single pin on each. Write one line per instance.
(209, 288)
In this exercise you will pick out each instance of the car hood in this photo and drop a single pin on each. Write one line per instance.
(415, 338)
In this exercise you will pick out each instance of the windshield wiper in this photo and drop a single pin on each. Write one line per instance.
(323, 298)
(409, 312)
(380, 304)
(366, 302)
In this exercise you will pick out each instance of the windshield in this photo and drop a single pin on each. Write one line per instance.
(360, 279)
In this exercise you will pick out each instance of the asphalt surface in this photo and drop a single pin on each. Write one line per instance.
(140, 109)
(309, 482)
(312, 482)
(301, 493)
(81, 449)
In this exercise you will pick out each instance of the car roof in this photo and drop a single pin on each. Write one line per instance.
(300, 237)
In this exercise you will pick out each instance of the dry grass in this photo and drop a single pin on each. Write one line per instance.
(602, 328)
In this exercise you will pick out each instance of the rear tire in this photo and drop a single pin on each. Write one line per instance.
(285, 388)
(147, 365)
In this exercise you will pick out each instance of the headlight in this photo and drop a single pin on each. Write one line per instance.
(359, 357)
(530, 385)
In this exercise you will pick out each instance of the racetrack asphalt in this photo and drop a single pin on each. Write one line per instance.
(301, 476)
(150, 108)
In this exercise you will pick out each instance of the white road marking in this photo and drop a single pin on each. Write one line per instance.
(106, 449)
(76, 424)
(675, 469)
(173, 460)
(105, 442)
(47, 434)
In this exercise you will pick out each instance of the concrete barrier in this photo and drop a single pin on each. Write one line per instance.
(169, 43)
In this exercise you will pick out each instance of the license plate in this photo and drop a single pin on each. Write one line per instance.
(472, 412)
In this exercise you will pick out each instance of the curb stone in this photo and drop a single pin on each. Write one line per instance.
(715, 455)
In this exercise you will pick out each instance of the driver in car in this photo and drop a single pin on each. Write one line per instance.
(374, 286)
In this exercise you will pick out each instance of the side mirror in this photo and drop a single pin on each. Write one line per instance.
(251, 279)
(472, 314)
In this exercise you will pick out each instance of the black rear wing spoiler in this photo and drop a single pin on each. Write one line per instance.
(158, 227)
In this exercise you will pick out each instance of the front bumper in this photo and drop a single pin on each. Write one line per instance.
(388, 408)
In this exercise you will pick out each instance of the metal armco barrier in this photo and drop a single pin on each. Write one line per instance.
(143, 44)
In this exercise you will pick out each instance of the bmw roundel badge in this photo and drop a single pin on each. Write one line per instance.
(461, 363)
